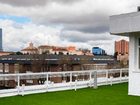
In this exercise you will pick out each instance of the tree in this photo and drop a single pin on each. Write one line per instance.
(61, 53)
(19, 53)
(115, 55)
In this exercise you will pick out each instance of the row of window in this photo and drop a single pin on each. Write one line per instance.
(76, 59)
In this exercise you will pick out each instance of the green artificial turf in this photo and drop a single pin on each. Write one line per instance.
(104, 95)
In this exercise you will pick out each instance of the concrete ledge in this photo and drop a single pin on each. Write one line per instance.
(125, 23)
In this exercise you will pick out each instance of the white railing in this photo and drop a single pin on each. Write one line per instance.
(29, 83)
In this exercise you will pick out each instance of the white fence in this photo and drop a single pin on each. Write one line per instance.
(29, 83)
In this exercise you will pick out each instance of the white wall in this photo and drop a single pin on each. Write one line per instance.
(134, 71)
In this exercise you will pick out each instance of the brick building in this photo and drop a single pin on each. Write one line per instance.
(122, 47)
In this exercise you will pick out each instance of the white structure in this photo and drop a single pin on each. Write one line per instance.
(76, 81)
(129, 25)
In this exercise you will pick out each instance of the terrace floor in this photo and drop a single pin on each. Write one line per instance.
(104, 95)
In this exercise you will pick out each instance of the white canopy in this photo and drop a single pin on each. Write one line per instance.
(125, 23)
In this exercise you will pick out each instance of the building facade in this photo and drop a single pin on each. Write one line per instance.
(30, 49)
(57, 50)
(122, 47)
(2, 53)
(44, 49)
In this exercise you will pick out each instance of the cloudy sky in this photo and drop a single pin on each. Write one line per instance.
(83, 23)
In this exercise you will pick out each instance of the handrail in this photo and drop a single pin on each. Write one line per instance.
(62, 72)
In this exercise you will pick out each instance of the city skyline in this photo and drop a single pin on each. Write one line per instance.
(83, 23)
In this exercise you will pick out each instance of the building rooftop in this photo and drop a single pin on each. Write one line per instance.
(45, 46)
(30, 48)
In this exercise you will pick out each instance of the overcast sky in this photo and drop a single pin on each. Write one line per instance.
(83, 23)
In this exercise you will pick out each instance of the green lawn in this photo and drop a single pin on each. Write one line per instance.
(104, 95)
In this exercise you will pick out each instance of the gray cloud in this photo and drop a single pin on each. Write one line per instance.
(84, 16)
(75, 36)
(89, 28)
(24, 2)
(83, 22)
(66, 1)
(36, 2)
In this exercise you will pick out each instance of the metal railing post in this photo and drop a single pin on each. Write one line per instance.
(106, 77)
(75, 84)
(120, 75)
(23, 87)
(111, 80)
(71, 80)
(18, 83)
(90, 79)
(47, 78)
(126, 78)
(95, 80)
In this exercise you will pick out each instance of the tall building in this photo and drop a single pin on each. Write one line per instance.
(1, 40)
(122, 47)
